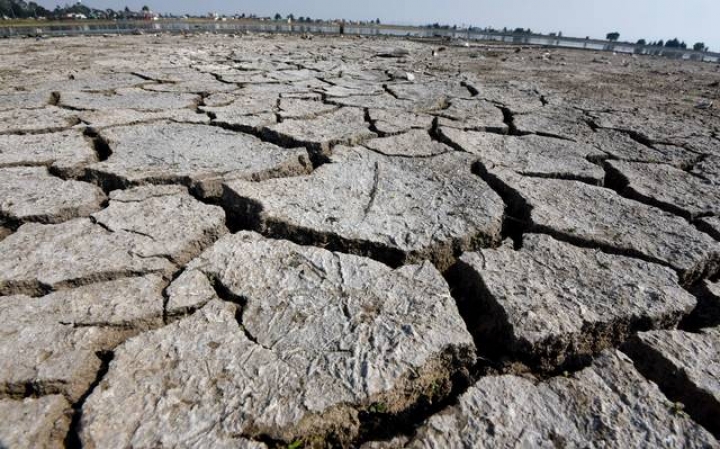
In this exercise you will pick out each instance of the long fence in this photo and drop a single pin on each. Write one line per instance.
(184, 26)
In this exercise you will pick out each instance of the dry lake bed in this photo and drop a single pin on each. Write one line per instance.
(266, 241)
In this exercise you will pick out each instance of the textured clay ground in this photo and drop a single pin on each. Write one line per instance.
(272, 241)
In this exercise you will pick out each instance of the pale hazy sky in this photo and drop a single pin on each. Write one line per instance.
(688, 20)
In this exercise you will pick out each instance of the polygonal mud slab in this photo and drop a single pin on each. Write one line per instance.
(352, 88)
(197, 86)
(275, 89)
(621, 146)
(709, 169)
(608, 404)
(654, 126)
(611, 401)
(687, 368)
(306, 96)
(430, 92)
(93, 82)
(173, 76)
(293, 108)
(138, 99)
(415, 143)
(47, 119)
(51, 345)
(253, 123)
(66, 151)
(700, 142)
(40, 423)
(243, 106)
(116, 117)
(346, 126)
(552, 303)
(38, 258)
(317, 338)
(25, 100)
(128, 303)
(293, 76)
(384, 102)
(707, 313)
(517, 100)
(477, 115)
(358, 73)
(149, 212)
(329, 68)
(220, 99)
(198, 156)
(140, 232)
(595, 216)
(265, 66)
(560, 122)
(397, 210)
(666, 187)
(710, 225)
(530, 155)
(504, 411)
(31, 194)
(244, 77)
(394, 122)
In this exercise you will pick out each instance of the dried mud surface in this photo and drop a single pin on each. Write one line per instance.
(266, 241)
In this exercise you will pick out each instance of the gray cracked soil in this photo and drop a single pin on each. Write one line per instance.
(266, 241)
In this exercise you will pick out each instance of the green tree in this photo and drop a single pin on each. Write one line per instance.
(278, 16)
(613, 37)
(146, 8)
(642, 42)
(700, 46)
(290, 17)
(377, 21)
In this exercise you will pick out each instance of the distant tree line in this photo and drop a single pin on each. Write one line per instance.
(301, 19)
(438, 26)
(505, 30)
(21, 9)
(672, 43)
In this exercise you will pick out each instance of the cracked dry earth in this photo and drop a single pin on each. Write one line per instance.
(278, 242)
